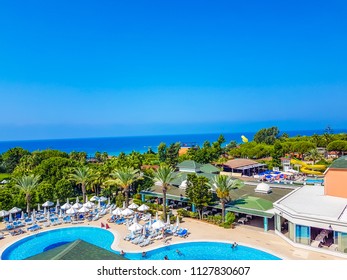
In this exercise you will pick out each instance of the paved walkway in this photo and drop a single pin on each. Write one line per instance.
(242, 234)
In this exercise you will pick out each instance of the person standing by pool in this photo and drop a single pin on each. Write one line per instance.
(144, 254)
(166, 257)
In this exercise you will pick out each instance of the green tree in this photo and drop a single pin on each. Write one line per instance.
(82, 176)
(267, 135)
(27, 184)
(314, 155)
(124, 177)
(172, 154)
(198, 192)
(162, 152)
(339, 146)
(277, 154)
(165, 176)
(223, 185)
(12, 157)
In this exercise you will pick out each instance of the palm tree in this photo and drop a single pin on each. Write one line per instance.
(125, 176)
(314, 155)
(82, 175)
(223, 185)
(27, 183)
(164, 175)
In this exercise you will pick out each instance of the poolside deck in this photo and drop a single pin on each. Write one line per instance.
(242, 234)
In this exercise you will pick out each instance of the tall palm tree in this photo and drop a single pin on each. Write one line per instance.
(223, 185)
(164, 175)
(314, 155)
(124, 177)
(82, 175)
(27, 183)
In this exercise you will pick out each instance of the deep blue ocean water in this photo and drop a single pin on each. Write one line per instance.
(115, 145)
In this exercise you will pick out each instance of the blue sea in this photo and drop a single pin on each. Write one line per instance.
(115, 145)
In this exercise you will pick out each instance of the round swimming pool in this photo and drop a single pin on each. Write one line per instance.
(43, 241)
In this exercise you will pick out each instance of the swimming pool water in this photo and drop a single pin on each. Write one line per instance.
(203, 251)
(38, 243)
(313, 181)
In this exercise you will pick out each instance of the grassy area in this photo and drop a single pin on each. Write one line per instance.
(4, 176)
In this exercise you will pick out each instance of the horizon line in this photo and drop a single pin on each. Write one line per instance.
(157, 135)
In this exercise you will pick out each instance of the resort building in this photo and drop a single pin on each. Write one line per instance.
(243, 167)
(252, 204)
(316, 216)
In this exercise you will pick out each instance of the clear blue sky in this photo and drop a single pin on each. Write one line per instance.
(109, 68)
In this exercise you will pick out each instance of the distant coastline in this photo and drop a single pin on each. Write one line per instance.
(127, 144)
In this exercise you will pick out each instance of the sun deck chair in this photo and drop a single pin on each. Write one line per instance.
(178, 231)
(183, 233)
(96, 217)
(34, 228)
(138, 240)
(67, 219)
(146, 242)
(120, 221)
(28, 221)
(9, 226)
(2, 236)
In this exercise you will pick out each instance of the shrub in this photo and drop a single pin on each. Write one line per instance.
(137, 201)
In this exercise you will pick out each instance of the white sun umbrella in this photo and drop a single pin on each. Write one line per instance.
(168, 219)
(94, 198)
(88, 204)
(44, 211)
(109, 201)
(66, 206)
(38, 207)
(127, 212)
(158, 224)
(4, 213)
(77, 205)
(117, 211)
(143, 207)
(15, 210)
(60, 213)
(56, 208)
(135, 227)
(10, 218)
(71, 211)
(33, 217)
(48, 204)
(84, 209)
(123, 205)
(48, 216)
(34, 213)
(102, 198)
(133, 206)
(99, 204)
(22, 216)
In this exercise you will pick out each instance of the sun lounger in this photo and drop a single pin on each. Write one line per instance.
(2, 236)
(138, 240)
(183, 233)
(34, 228)
(9, 226)
(28, 221)
(67, 219)
(146, 242)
